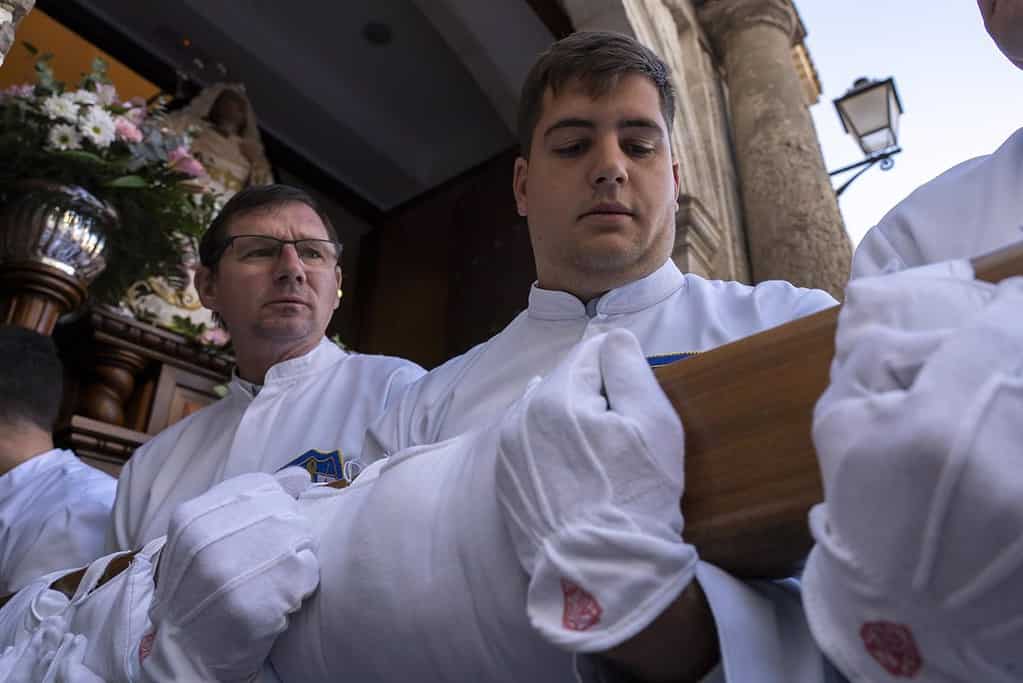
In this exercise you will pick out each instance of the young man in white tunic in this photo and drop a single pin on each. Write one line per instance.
(53, 507)
(918, 568)
(422, 561)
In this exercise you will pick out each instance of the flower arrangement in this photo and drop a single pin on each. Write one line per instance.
(121, 152)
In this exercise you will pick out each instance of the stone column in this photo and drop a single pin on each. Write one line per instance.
(794, 228)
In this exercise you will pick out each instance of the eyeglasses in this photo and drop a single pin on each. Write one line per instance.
(265, 250)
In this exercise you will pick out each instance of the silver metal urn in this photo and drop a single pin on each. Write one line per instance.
(52, 243)
(62, 226)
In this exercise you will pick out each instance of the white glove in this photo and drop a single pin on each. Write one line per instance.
(237, 561)
(589, 475)
(66, 664)
(918, 568)
(48, 656)
(27, 608)
(115, 616)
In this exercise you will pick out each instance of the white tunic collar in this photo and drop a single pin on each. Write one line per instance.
(324, 355)
(549, 304)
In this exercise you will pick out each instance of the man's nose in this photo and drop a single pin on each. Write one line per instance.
(288, 265)
(609, 165)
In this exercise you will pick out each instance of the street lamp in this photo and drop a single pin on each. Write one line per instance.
(869, 111)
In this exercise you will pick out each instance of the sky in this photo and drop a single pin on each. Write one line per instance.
(961, 97)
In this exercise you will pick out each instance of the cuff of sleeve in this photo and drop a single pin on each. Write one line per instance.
(582, 600)
(873, 634)
(762, 632)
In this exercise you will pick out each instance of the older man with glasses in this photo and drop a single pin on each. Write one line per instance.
(271, 273)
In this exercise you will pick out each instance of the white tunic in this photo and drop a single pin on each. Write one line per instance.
(53, 512)
(313, 409)
(670, 313)
(419, 579)
(969, 210)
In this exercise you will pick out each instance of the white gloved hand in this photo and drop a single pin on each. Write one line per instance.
(237, 561)
(66, 664)
(589, 475)
(21, 661)
(918, 568)
(48, 655)
(27, 608)
(115, 615)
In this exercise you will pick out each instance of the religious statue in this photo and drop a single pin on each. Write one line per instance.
(225, 139)
(11, 13)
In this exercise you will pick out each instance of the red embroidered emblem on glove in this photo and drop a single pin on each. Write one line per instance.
(146, 646)
(582, 610)
(893, 646)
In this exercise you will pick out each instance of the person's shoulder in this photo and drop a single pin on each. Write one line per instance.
(80, 472)
(771, 296)
(948, 216)
(384, 365)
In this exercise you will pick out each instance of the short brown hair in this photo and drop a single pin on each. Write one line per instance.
(253, 199)
(596, 60)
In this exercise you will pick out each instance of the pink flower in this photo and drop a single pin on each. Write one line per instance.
(126, 130)
(136, 115)
(177, 154)
(181, 160)
(216, 336)
(23, 90)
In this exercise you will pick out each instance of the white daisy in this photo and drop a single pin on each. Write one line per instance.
(83, 97)
(64, 136)
(98, 126)
(60, 107)
(6, 17)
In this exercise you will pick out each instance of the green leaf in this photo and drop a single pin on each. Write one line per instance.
(128, 181)
(99, 69)
(81, 156)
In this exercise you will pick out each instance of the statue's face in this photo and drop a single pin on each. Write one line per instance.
(228, 113)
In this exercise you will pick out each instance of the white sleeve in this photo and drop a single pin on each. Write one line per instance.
(876, 255)
(762, 634)
(121, 530)
(416, 413)
(58, 519)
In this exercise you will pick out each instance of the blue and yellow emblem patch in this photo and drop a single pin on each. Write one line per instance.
(326, 466)
(666, 358)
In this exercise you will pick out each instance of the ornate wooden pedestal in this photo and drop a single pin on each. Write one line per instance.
(127, 381)
(34, 295)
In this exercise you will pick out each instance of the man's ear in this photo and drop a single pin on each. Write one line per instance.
(519, 185)
(337, 272)
(206, 285)
(674, 173)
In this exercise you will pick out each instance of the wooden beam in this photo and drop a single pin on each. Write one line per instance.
(747, 408)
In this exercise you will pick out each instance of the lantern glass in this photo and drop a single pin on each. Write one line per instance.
(870, 112)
